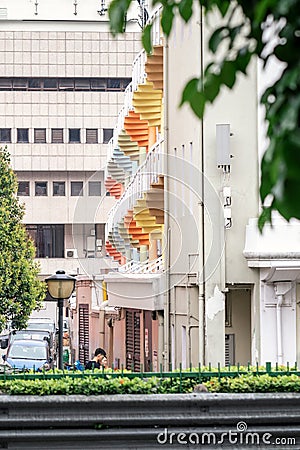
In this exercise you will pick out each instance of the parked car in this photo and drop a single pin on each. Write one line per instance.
(38, 335)
(30, 334)
(44, 324)
(29, 354)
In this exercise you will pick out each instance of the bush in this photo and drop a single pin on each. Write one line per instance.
(254, 383)
(91, 385)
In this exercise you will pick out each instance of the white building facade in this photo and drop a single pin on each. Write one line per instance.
(198, 281)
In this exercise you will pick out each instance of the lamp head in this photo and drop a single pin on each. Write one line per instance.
(60, 285)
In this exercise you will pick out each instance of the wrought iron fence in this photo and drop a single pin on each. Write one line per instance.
(200, 373)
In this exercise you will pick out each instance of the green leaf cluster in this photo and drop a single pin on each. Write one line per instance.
(241, 37)
(253, 383)
(91, 385)
(20, 289)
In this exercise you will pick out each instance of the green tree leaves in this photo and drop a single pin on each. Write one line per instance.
(146, 38)
(193, 94)
(117, 15)
(20, 289)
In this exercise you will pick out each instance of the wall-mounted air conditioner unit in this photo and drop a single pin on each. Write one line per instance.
(71, 253)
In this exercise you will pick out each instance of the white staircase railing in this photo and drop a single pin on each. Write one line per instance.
(140, 182)
(138, 70)
(155, 266)
(157, 34)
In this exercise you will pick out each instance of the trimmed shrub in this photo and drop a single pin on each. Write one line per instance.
(91, 385)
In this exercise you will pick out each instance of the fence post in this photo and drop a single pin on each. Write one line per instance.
(268, 367)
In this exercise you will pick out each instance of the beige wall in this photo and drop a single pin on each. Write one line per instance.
(186, 139)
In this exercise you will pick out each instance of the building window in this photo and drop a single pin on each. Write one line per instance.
(20, 84)
(22, 135)
(48, 239)
(41, 188)
(34, 84)
(114, 84)
(66, 84)
(82, 84)
(107, 134)
(94, 188)
(92, 136)
(98, 84)
(5, 84)
(57, 136)
(76, 188)
(74, 134)
(59, 188)
(5, 134)
(23, 188)
(40, 135)
(50, 84)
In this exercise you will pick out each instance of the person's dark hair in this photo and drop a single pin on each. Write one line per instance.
(100, 351)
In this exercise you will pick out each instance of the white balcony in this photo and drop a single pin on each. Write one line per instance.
(275, 251)
(138, 291)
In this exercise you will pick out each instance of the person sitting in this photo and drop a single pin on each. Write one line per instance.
(97, 361)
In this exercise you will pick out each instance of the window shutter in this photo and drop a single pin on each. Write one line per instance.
(40, 135)
(133, 340)
(83, 333)
(92, 136)
(229, 350)
(57, 136)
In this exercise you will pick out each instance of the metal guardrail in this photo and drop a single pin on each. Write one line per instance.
(236, 421)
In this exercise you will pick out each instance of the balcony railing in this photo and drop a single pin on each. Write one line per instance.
(155, 266)
(138, 70)
(156, 32)
(141, 181)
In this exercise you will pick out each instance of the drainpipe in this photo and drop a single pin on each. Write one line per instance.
(279, 328)
(201, 299)
(281, 288)
(166, 207)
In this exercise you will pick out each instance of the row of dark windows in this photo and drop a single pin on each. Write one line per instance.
(75, 135)
(63, 84)
(59, 188)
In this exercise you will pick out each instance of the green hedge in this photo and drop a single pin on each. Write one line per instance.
(154, 385)
(253, 383)
(95, 386)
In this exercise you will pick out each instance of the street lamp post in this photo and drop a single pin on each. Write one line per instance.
(60, 287)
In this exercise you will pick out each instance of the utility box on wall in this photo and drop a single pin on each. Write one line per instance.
(223, 144)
